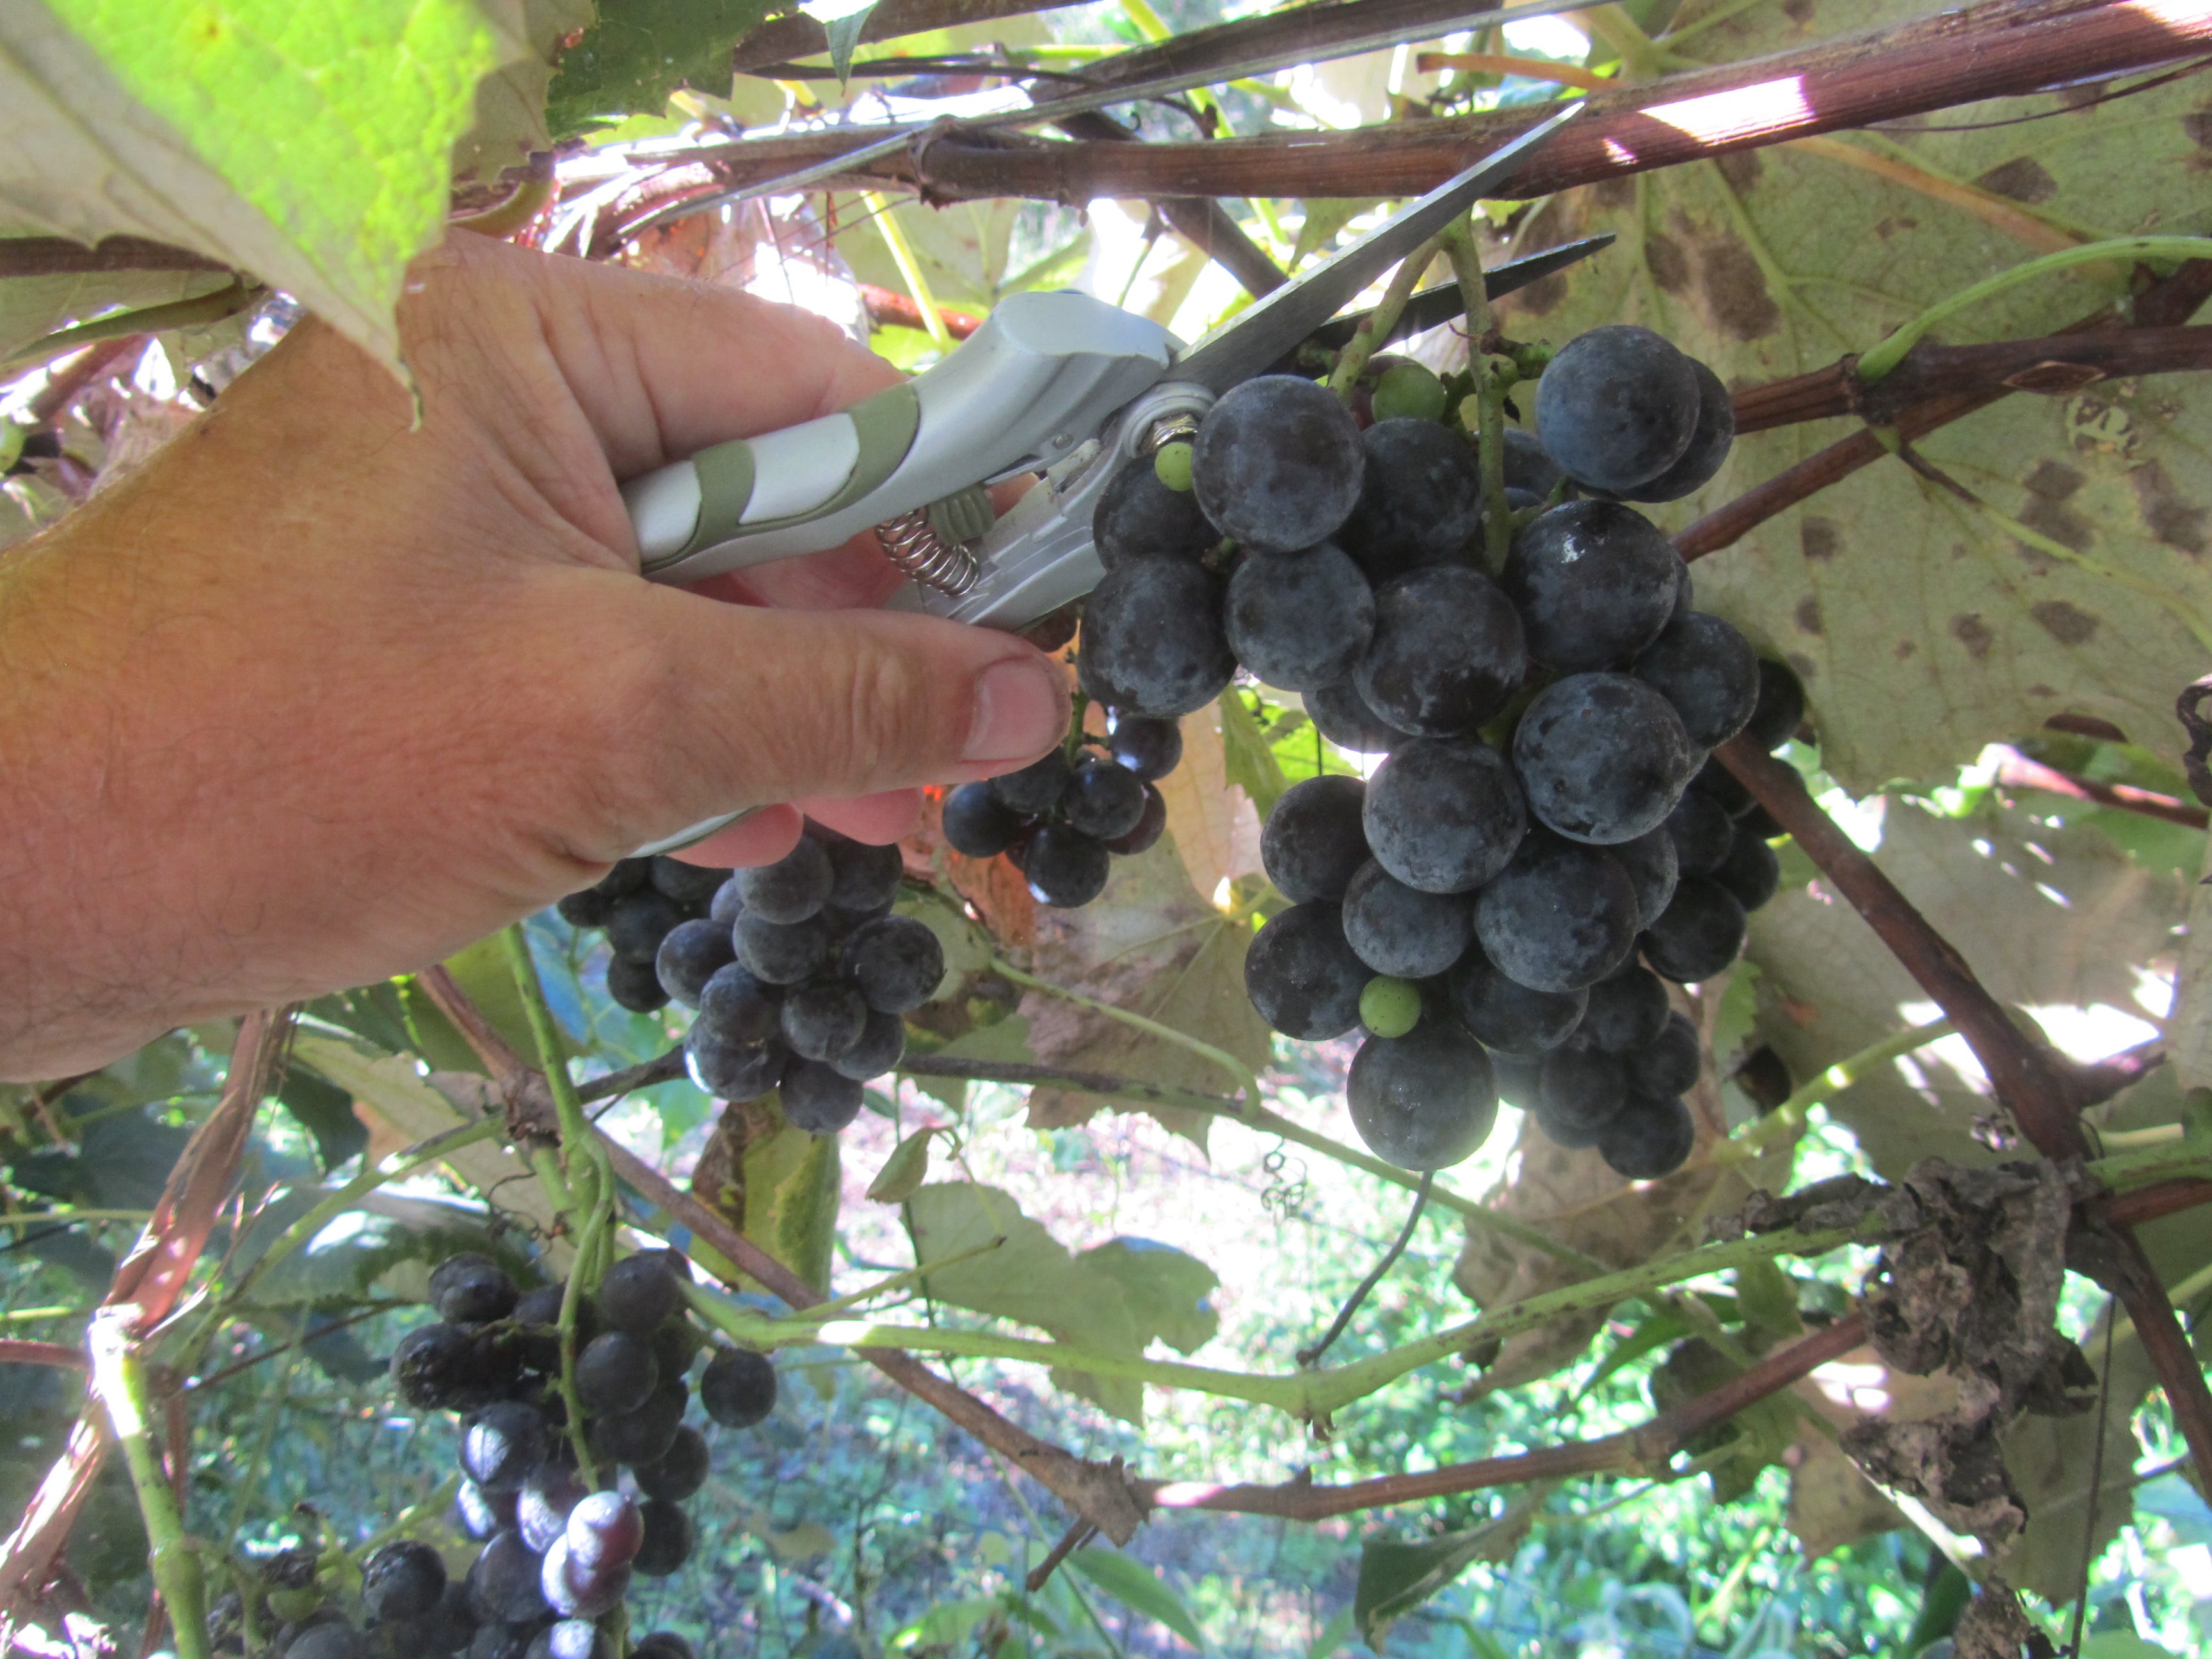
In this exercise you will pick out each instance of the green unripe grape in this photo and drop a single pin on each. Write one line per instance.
(1390, 1007)
(289, 1605)
(1409, 391)
(1171, 465)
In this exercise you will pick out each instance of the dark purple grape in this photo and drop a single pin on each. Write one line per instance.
(405, 1579)
(682, 1470)
(1152, 639)
(1448, 651)
(570, 1638)
(1649, 1138)
(1668, 1065)
(1651, 863)
(541, 1508)
(575, 1591)
(733, 1071)
(616, 1373)
(446, 1630)
(640, 920)
(1603, 757)
(1697, 935)
(1302, 976)
(1104, 800)
(1149, 826)
(497, 1639)
(1759, 824)
(896, 962)
(1444, 815)
(823, 1019)
(1277, 462)
(603, 1530)
(334, 1640)
(1708, 444)
(737, 1007)
(437, 1366)
(977, 825)
(1750, 871)
(635, 986)
(1780, 710)
(638, 1292)
(668, 1539)
(1527, 466)
(676, 1342)
(881, 1047)
(1723, 786)
(792, 889)
(1706, 670)
(728, 902)
(1595, 583)
(1065, 868)
(1140, 518)
(472, 1289)
(1617, 406)
(645, 1435)
(1400, 930)
(1702, 833)
(1299, 620)
(589, 909)
(503, 1444)
(1424, 1100)
(1420, 499)
(1506, 1016)
(691, 885)
(1150, 748)
(693, 953)
(782, 953)
(1313, 841)
(1035, 789)
(1628, 1010)
(1517, 1077)
(1560, 916)
(819, 1099)
(1581, 1090)
(484, 1513)
(863, 877)
(1342, 715)
(738, 1388)
(503, 1581)
(662, 1644)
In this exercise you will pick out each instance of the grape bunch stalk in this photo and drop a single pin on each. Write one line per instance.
(1547, 841)
(799, 972)
(558, 1552)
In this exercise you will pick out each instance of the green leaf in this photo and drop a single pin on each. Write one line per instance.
(307, 144)
(1137, 1586)
(1325, 216)
(904, 1172)
(344, 1261)
(1924, 628)
(1114, 1301)
(640, 50)
(325, 1112)
(841, 23)
(1325, 1645)
(510, 106)
(1250, 762)
(947, 1625)
(1395, 1576)
(2122, 1644)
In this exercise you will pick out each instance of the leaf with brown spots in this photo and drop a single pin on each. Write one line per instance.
(1924, 627)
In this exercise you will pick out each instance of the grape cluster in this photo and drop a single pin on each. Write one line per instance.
(557, 1558)
(1062, 820)
(799, 971)
(1548, 813)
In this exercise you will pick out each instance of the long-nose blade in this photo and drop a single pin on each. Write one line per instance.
(1253, 341)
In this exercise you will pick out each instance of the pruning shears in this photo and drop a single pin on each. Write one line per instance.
(1053, 383)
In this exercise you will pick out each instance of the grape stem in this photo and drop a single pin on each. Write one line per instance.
(1352, 360)
(119, 1383)
(572, 1299)
(1306, 1357)
(1493, 377)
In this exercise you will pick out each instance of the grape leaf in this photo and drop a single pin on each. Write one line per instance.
(904, 1171)
(1133, 1584)
(307, 144)
(1214, 824)
(1923, 627)
(638, 51)
(510, 105)
(1396, 1575)
(776, 1184)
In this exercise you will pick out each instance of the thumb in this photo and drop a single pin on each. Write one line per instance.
(721, 706)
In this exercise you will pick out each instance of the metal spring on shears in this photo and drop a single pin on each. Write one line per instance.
(915, 548)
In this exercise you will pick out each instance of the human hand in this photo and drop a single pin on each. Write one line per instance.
(319, 696)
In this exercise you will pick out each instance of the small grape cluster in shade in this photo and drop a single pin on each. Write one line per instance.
(799, 971)
(556, 1558)
(1506, 895)
(1062, 820)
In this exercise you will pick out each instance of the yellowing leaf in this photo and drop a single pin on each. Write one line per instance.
(904, 1172)
(1213, 824)
(308, 144)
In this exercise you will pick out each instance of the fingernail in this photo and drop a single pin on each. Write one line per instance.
(1021, 708)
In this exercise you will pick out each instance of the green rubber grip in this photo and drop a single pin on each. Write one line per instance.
(885, 424)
